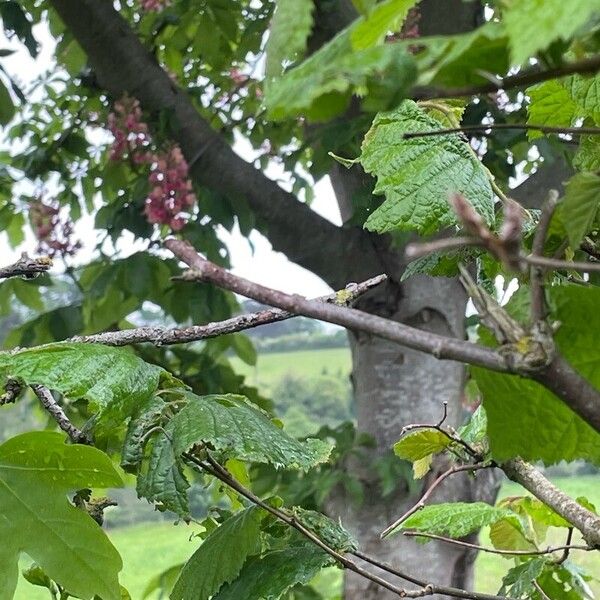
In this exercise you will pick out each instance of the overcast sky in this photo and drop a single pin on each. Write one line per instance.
(260, 264)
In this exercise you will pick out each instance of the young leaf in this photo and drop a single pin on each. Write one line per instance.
(37, 469)
(456, 519)
(550, 103)
(221, 556)
(113, 380)
(290, 28)
(268, 577)
(506, 535)
(475, 429)
(580, 205)
(421, 443)
(417, 175)
(504, 396)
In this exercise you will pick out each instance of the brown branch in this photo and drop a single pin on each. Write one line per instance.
(439, 346)
(58, 414)
(533, 481)
(161, 336)
(538, 301)
(550, 550)
(427, 589)
(562, 265)
(421, 503)
(483, 127)
(26, 267)
(559, 377)
(526, 77)
(416, 250)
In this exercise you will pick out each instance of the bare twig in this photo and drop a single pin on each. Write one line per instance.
(491, 126)
(416, 250)
(427, 589)
(568, 547)
(540, 591)
(550, 550)
(524, 78)
(421, 503)
(58, 414)
(562, 265)
(538, 302)
(161, 336)
(26, 267)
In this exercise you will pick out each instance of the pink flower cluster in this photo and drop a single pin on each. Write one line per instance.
(171, 196)
(54, 234)
(130, 132)
(154, 5)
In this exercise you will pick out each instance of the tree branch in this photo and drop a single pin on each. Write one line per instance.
(483, 127)
(161, 336)
(26, 267)
(328, 250)
(524, 78)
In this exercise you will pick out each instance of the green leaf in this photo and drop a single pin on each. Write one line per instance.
(587, 157)
(580, 205)
(532, 25)
(270, 576)
(230, 424)
(585, 91)
(384, 18)
(455, 519)
(37, 469)
(417, 175)
(290, 28)
(332, 533)
(221, 556)
(475, 430)
(113, 380)
(7, 108)
(505, 534)
(550, 103)
(519, 581)
(517, 408)
(421, 443)
(163, 582)
(322, 86)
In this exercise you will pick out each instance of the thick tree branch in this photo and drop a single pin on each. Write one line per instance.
(559, 377)
(524, 78)
(161, 336)
(26, 267)
(122, 64)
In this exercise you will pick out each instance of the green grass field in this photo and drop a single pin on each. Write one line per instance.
(272, 367)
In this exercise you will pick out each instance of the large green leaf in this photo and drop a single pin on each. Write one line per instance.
(36, 471)
(550, 103)
(230, 424)
(456, 519)
(290, 28)
(220, 557)
(270, 576)
(113, 380)
(417, 175)
(580, 206)
(532, 25)
(519, 581)
(524, 418)
(321, 87)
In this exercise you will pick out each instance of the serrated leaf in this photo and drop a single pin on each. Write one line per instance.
(270, 576)
(524, 418)
(113, 380)
(550, 103)
(230, 424)
(475, 429)
(384, 18)
(519, 581)
(221, 556)
(322, 86)
(455, 519)
(532, 25)
(421, 443)
(417, 175)
(587, 157)
(332, 533)
(290, 28)
(585, 91)
(580, 205)
(37, 470)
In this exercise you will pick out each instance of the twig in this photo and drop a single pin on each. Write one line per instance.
(538, 302)
(427, 589)
(421, 503)
(58, 414)
(448, 540)
(440, 346)
(562, 265)
(416, 250)
(485, 126)
(567, 547)
(540, 591)
(26, 267)
(524, 78)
